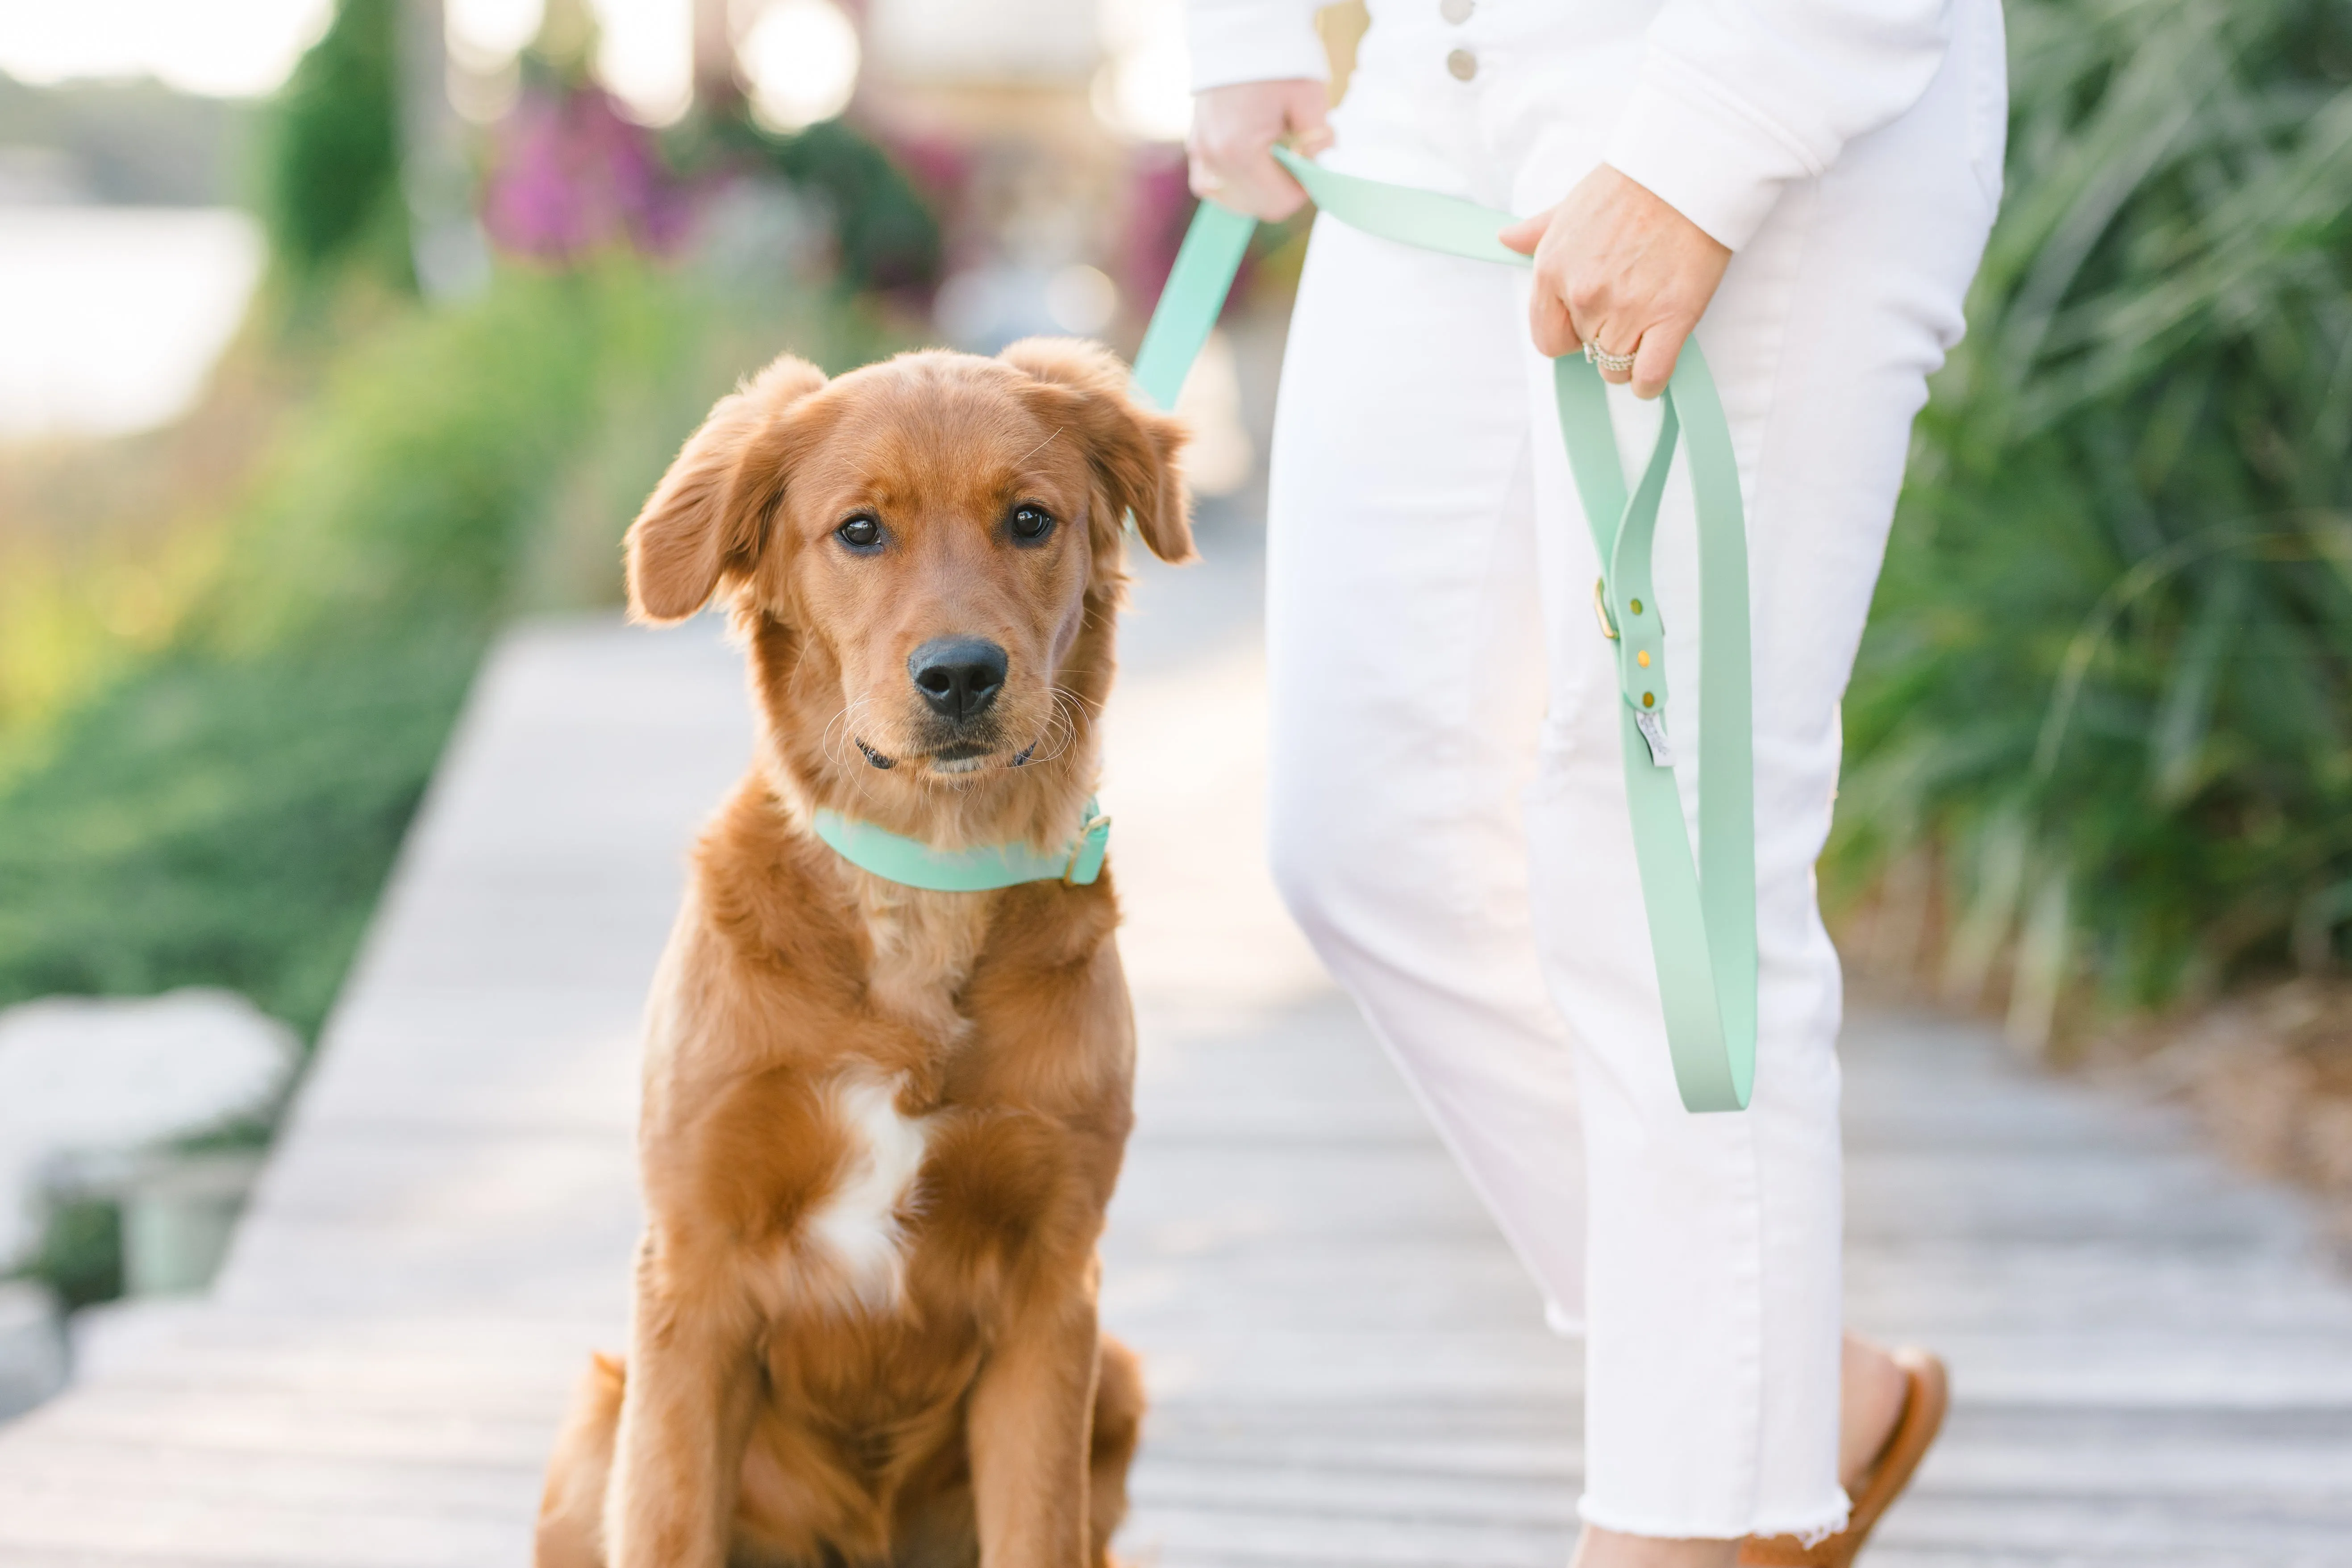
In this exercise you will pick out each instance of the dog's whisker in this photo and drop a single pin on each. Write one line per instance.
(1042, 445)
(843, 723)
(1055, 742)
(861, 772)
(1062, 726)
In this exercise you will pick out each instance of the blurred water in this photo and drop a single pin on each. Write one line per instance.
(110, 317)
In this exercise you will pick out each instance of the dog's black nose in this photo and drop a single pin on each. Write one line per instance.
(959, 677)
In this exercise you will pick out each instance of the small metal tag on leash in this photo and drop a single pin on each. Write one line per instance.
(1652, 726)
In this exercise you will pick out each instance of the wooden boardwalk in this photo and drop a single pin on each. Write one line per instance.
(2154, 1366)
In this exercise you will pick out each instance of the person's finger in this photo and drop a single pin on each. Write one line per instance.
(1310, 127)
(1227, 162)
(1306, 118)
(1527, 233)
(1653, 363)
(1548, 323)
(1605, 339)
(1273, 194)
(1256, 186)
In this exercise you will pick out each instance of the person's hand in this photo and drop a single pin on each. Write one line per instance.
(1233, 127)
(1618, 268)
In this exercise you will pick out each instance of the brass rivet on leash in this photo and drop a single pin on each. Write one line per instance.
(1642, 658)
(1637, 606)
(1649, 699)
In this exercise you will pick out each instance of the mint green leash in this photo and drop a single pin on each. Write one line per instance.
(897, 859)
(1702, 915)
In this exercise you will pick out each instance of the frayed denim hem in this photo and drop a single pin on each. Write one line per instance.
(1813, 1528)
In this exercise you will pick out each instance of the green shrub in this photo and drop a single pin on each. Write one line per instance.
(79, 1254)
(331, 184)
(887, 237)
(2106, 689)
(225, 821)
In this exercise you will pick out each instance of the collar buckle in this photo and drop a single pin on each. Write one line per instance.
(1088, 850)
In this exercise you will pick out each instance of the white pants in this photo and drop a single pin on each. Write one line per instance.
(1448, 815)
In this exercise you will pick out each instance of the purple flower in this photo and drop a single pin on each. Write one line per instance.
(570, 176)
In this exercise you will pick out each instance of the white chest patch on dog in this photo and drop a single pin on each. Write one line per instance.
(858, 1222)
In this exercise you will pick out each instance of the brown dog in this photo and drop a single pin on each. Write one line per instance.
(880, 1124)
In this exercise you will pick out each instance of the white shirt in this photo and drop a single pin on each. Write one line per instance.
(1733, 98)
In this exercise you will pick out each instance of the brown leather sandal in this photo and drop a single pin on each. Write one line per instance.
(1923, 1405)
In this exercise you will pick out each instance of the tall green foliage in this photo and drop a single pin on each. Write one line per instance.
(2107, 681)
(223, 815)
(332, 166)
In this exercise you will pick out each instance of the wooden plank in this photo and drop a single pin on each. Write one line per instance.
(214, 1532)
(92, 1476)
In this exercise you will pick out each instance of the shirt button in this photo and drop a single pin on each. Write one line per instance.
(1456, 11)
(1463, 64)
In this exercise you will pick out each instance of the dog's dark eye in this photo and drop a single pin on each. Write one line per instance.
(1030, 523)
(861, 534)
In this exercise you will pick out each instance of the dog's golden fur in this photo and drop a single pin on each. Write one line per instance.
(881, 1124)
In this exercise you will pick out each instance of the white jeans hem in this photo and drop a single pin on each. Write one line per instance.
(1813, 1527)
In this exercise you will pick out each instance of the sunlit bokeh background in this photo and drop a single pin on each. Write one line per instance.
(112, 316)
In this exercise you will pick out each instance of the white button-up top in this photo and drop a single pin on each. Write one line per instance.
(1729, 99)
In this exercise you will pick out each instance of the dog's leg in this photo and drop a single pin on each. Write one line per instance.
(1030, 1431)
(571, 1508)
(686, 1415)
(1118, 1424)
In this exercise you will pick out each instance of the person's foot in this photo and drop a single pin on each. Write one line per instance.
(1873, 1389)
(1879, 1456)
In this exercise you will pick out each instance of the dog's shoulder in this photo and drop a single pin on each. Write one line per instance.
(764, 890)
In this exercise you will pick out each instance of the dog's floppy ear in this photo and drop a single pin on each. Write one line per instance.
(1133, 447)
(705, 520)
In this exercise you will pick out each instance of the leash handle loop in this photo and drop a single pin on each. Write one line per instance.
(1702, 912)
